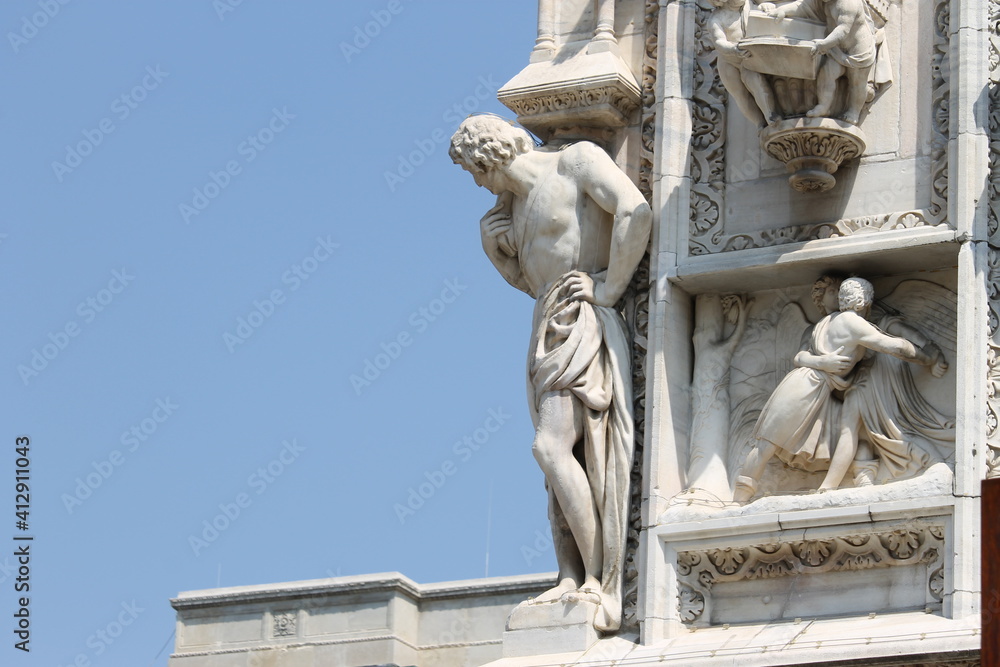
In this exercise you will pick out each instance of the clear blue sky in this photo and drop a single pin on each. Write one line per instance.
(170, 172)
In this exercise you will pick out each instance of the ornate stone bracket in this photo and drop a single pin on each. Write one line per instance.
(813, 149)
(699, 571)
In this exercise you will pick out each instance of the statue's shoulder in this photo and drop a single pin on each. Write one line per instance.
(582, 154)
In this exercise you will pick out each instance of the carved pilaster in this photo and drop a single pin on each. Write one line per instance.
(637, 311)
(993, 278)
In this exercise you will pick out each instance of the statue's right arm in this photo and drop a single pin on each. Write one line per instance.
(493, 227)
(719, 37)
(873, 338)
(789, 9)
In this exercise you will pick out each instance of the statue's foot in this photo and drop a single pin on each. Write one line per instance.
(558, 591)
(818, 111)
(851, 117)
(590, 591)
(745, 489)
(864, 472)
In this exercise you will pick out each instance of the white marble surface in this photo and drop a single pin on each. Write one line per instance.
(354, 621)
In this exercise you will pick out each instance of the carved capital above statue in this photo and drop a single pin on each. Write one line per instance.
(585, 96)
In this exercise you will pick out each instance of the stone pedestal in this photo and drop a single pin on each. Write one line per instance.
(557, 626)
(812, 149)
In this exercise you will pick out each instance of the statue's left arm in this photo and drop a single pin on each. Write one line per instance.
(604, 182)
(849, 12)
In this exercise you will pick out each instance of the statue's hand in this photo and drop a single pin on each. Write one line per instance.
(940, 365)
(772, 10)
(495, 223)
(834, 363)
(584, 287)
(820, 48)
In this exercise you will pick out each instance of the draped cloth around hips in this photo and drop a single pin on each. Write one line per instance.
(802, 416)
(583, 349)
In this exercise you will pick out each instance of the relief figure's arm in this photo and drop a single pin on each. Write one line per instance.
(870, 336)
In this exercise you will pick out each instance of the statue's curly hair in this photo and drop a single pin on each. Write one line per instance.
(856, 294)
(485, 141)
(819, 289)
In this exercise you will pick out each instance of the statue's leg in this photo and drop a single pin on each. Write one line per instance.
(760, 88)
(847, 442)
(857, 94)
(560, 428)
(753, 470)
(729, 74)
(571, 572)
(826, 87)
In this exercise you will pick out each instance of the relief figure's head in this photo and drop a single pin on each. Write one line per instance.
(856, 294)
(826, 294)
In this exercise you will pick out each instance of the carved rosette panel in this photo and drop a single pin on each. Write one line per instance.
(637, 314)
(699, 571)
(993, 250)
(707, 233)
(284, 624)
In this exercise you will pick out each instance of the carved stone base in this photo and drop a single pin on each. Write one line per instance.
(550, 627)
(812, 149)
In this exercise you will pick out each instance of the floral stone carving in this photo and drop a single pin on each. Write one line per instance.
(813, 149)
(699, 571)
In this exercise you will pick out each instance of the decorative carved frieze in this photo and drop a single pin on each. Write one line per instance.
(993, 365)
(582, 95)
(617, 103)
(699, 571)
(637, 311)
(993, 250)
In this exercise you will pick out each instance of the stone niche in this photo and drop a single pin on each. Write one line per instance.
(877, 543)
(874, 562)
(741, 196)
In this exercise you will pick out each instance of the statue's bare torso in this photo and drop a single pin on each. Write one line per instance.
(558, 228)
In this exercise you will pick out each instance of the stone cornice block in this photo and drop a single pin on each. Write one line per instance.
(555, 97)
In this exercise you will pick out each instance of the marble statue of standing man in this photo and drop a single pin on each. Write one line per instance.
(569, 228)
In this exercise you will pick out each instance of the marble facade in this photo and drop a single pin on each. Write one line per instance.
(884, 568)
